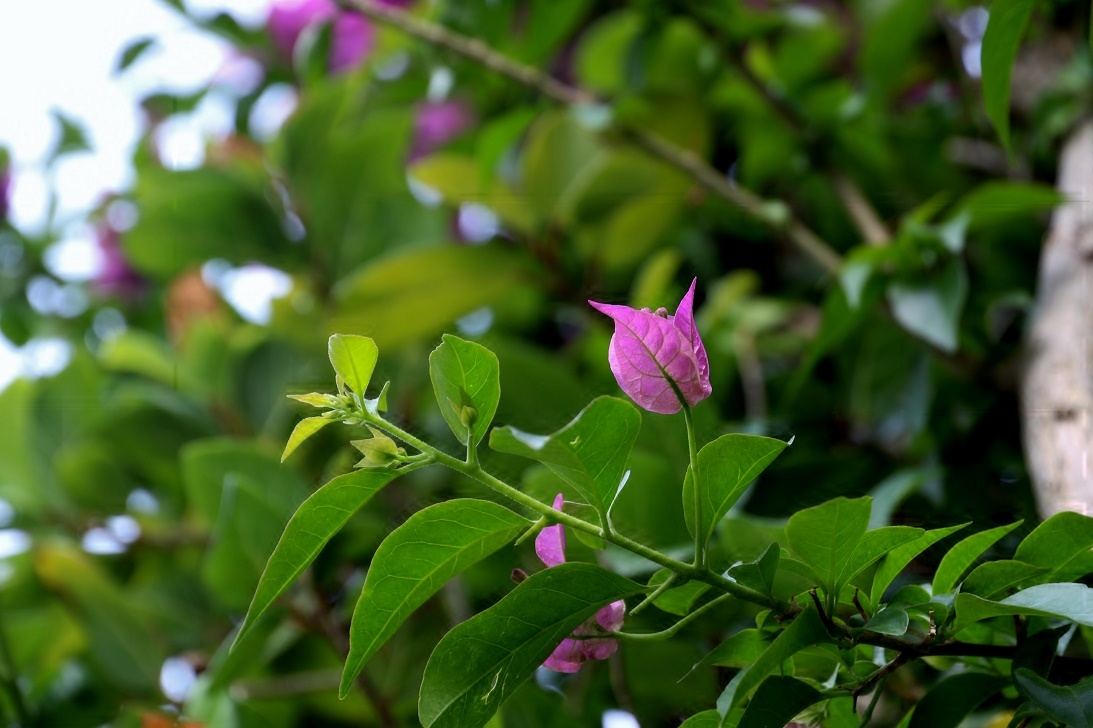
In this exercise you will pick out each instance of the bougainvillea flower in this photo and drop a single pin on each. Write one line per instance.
(652, 351)
(438, 122)
(116, 278)
(351, 34)
(572, 653)
(5, 192)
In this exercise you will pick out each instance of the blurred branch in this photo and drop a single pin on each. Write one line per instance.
(773, 214)
(865, 217)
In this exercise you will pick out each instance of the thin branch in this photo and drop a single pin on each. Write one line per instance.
(866, 219)
(775, 215)
(671, 631)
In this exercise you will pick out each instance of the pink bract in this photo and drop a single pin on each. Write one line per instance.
(352, 34)
(572, 653)
(438, 122)
(650, 352)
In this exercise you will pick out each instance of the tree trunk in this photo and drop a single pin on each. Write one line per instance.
(1057, 387)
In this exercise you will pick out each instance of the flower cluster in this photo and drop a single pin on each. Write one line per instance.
(573, 652)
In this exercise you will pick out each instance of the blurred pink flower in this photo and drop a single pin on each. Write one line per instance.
(437, 123)
(657, 357)
(116, 278)
(351, 39)
(5, 189)
(572, 653)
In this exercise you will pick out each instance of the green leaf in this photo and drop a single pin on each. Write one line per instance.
(1001, 42)
(466, 380)
(989, 579)
(479, 664)
(72, 137)
(1071, 705)
(875, 544)
(677, 600)
(410, 296)
(589, 453)
(740, 650)
(996, 203)
(315, 399)
(705, 719)
(1066, 601)
(132, 52)
(930, 307)
(303, 430)
(826, 537)
(1063, 544)
(316, 521)
(952, 699)
(899, 557)
(726, 467)
(890, 620)
(759, 574)
(454, 177)
(415, 561)
(961, 556)
(778, 701)
(805, 630)
(354, 359)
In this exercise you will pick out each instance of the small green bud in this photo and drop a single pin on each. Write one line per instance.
(379, 451)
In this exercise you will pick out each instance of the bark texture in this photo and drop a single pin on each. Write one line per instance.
(1057, 387)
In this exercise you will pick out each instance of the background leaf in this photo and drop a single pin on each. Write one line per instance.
(1001, 42)
(457, 367)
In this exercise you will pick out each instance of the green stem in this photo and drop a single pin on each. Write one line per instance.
(700, 540)
(475, 471)
(661, 588)
(671, 631)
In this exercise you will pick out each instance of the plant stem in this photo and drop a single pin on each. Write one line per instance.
(687, 570)
(671, 631)
(692, 446)
(661, 588)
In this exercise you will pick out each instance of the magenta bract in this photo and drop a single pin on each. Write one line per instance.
(572, 653)
(650, 352)
(351, 38)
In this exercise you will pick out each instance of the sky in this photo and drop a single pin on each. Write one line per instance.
(61, 56)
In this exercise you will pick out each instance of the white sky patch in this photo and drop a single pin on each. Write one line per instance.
(76, 258)
(271, 110)
(177, 678)
(13, 542)
(619, 719)
(45, 357)
(101, 542)
(252, 289)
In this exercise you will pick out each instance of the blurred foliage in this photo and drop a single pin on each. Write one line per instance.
(145, 472)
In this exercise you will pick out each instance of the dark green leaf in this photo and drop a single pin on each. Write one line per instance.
(931, 307)
(805, 630)
(71, 137)
(963, 555)
(890, 620)
(778, 701)
(952, 699)
(997, 203)
(317, 520)
(900, 556)
(740, 650)
(726, 467)
(705, 719)
(1001, 41)
(589, 453)
(1063, 544)
(462, 370)
(994, 577)
(477, 665)
(132, 52)
(677, 600)
(1072, 705)
(415, 561)
(875, 544)
(759, 574)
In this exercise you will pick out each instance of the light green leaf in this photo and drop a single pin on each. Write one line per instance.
(726, 467)
(805, 630)
(1001, 42)
(890, 620)
(303, 430)
(778, 701)
(930, 307)
(677, 600)
(479, 664)
(589, 453)
(1066, 601)
(961, 556)
(315, 399)
(900, 556)
(952, 699)
(354, 359)
(705, 719)
(997, 203)
(825, 537)
(462, 370)
(990, 579)
(409, 296)
(1063, 544)
(415, 561)
(458, 180)
(316, 521)
(740, 650)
